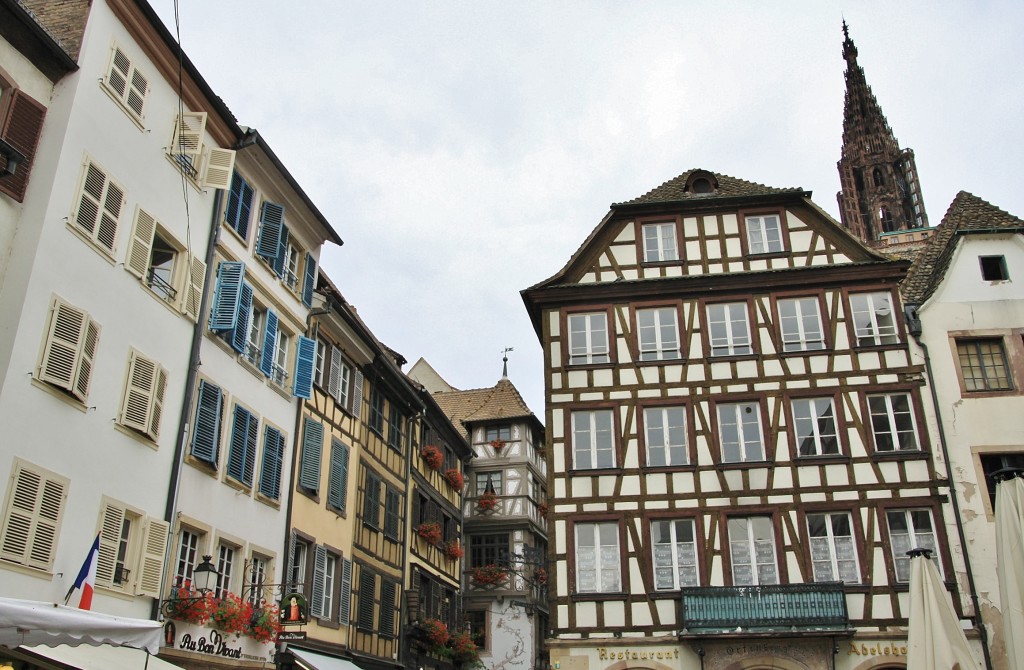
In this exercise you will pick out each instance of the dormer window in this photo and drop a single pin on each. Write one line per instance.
(993, 268)
(701, 182)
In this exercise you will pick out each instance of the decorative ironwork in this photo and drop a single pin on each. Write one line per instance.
(790, 607)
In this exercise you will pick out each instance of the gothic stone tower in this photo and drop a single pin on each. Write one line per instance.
(880, 189)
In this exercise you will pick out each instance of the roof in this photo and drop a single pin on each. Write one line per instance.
(967, 214)
(500, 402)
(675, 190)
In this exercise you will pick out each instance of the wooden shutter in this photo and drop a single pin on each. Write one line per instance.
(99, 207)
(141, 246)
(239, 207)
(367, 594)
(392, 501)
(110, 540)
(242, 450)
(138, 89)
(219, 165)
(271, 225)
(273, 455)
(269, 340)
(316, 601)
(33, 517)
(371, 500)
(158, 403)
(312, 448)
(120, 70)
(305, 358)
(388, 591)
(85, 363)
(345, 598)
(21, 129)
(188, 135)
(150, 569)
(334, 377)
(140, 393)
(229, 292)
(195, 279)
(206, 432)
(336, 484)
(240, 334)
(63, 346)
(309, 280)
(280, 262)
(357, 395)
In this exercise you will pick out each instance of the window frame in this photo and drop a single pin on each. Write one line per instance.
(780, 577)
(592, 355)
(803, 344)
(593, 448)
(660, 223)
(767, 455)
(731, 345)
(689, 446)
(877, 339)
(855, 540)
(938, 541)
(130, 76)
(744, 216)
(696, 529)
(661, 351)
(976, 338)
(595, 524)
(914, 412)
(142, 400)
(51, 491)
(838, 419)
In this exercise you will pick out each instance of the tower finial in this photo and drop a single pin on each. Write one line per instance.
(504, 361)
(849, 49)
(846, 29)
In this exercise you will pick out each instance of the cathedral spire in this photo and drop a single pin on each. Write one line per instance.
(880, 192)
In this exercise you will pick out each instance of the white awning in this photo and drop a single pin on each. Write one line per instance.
(101, 658)
(313, 661)
(30, 623)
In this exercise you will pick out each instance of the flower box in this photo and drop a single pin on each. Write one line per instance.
(265, 624)
(453, 550)
(487, 501)
(435, 632)
(430, 532)
(231, 614)
(488, 575)
(432, 456)
(498, 445)
(454, 479)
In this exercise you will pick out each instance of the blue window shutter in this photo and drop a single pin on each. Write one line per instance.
(206, 432)
(229, 293)
(273, 455)
(312, 446)
(242, 451)
(271, 225)
(281, 260)
(337, 487)
(309, 281)
(239, 205)
(304, 359)
(371, 501)
(245, 210)
(240, 335)
(343, 493)
(269, 337)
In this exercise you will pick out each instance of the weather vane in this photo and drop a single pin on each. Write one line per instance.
(504, 361)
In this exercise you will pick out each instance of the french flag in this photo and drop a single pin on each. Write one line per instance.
(86, 579)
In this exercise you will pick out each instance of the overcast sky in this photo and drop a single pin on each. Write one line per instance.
(464, 150)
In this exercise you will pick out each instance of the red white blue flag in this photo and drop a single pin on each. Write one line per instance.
(86, 579)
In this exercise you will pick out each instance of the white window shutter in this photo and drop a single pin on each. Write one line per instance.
(151, 558)
(85, 363)
(63, 345)
(220, 165)
(334, 377)
(136, 412)
(188, 134)
(158, 403)
(141, 246)
(113, 200)
(137, 93)
(357, 395)
(110, 540)
(194, 280)
(32, 519)
(120, 69)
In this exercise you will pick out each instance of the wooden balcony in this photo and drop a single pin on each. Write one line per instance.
(800, 609)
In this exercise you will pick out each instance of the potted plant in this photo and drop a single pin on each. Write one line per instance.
(429, 531)
(487, 501)
(184, 604)
(542, 509)
(453, 550)
(490, 574)
(454, 478)
(432, 456)
(265, 624)
(435, 632)
(231, 614)
(497, 445)
(463, 650)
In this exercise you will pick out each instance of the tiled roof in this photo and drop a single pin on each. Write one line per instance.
(674, 190)
(966, 214)
(502, 401)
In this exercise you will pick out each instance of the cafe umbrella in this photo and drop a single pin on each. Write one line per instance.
(935, 640)
(1010, 558)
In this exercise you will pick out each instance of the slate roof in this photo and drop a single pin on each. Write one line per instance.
(674, 190)
(500, 402)
(966, 214)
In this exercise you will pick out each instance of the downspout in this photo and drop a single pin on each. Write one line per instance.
(190, 381)
(915, 328)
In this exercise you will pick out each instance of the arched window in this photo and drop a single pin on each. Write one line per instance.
(886, 220)
(877, 176)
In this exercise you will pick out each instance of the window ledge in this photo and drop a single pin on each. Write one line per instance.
(237, 485)
(967, 395)
(268, 501)
(901, 455)
(726, 358)
(281, 391)
(879, 347)
(820, 459)
(785, 253)
(104, 253)
(745, 465)
(682, 360)
(824, 351)
(683, 467)
(589, 366)
(327, 623)
(595, 472)
(128, 111)
(199, 464)
(137, 436)
(60, 394)
(617, 595)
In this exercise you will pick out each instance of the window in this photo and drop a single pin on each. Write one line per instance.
(312, 448)
(376, 411)
(186, 147)
(993, 463)
(32, 516)
(187, 557)
(597, 558)
(126, 84)
(814, 427)
(488, 481)
(268, 358)
(239, 209)
(367, 595)
(395, 423)
(660, 242)
(131, 555)
(273, 241)
(476, 626)
(665, 434)
(993, 268)
(242, 446)
(279, 368)
(323, 591)
(297, 563)
(498, 433)
(259, 570)
(658, 331)
(910, 529)
(739, 432)
(341, 380)
(225, 569)
(833, 550)
(588, 338)
(752, 549)
(273, 460)
(319, 364)
(371, 499)
(728, 329)
(674, 549)
(337, 479)
(206, 427)
(873, 322)
(489, 549)
(800, 322)
(20, 126)
(983, 365)
(291, 272)
(69, 349)
(593, 445)
(764, 234)
(99, 207)
(142, 404)
(892, 422)
(392, 513)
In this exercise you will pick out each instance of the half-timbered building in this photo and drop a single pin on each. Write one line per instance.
(738, 438)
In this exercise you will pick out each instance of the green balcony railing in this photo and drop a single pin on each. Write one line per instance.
(716, 610)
